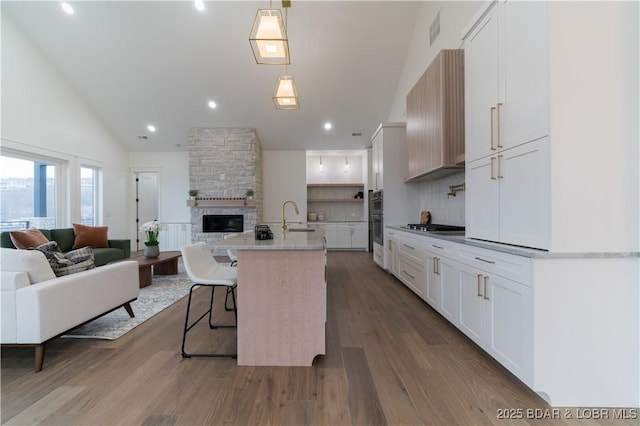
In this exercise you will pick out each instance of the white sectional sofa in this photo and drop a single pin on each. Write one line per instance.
(37, 306)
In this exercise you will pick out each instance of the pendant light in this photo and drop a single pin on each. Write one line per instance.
(268, 37)
(346, 164)
(285, 95)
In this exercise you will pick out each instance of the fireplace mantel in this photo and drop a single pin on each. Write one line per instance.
(221, 203)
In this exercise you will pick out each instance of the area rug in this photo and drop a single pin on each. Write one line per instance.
(163, 292)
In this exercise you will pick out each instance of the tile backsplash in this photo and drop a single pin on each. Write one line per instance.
(444, 209)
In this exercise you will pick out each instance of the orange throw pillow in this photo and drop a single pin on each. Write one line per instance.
(94, 236)
(32, 237)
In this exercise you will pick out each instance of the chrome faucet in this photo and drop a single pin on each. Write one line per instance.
(284, 219)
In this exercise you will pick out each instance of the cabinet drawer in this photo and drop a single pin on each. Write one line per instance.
(413, 248)
(516, 268)
(412, 274)
(441, 247)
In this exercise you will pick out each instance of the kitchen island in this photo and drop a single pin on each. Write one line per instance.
(281, 297)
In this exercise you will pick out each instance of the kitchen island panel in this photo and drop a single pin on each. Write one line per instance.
(282, 307)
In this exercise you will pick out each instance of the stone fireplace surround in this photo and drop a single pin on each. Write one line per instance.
(223, 164)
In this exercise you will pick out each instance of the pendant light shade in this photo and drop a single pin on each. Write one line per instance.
(268, 38)
(285, 95)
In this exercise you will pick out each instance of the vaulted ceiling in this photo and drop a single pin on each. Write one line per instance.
(160, 62)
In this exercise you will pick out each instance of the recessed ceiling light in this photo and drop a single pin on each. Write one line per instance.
(67, 8)
(212, 104)
(151, 128)
(199, 5)
(327, 126)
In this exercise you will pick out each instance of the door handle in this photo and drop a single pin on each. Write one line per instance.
(493, 159)
(493, 148)
(485, 296)
(498, 126)
(480, 285)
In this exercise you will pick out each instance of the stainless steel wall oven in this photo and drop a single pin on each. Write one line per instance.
(376, 217)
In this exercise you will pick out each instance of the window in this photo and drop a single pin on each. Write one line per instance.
(28, 192)
(89, 186)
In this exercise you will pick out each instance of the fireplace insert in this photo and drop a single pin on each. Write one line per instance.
(222, 223)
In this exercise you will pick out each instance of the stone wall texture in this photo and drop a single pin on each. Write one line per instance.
(223, 164)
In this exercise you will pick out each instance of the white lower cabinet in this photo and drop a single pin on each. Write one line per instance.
(391, 252)
(352, 235)
(496, 313)
(330, 233)
(442, 280)
(411, 263)
(344, 235)
(487, 295)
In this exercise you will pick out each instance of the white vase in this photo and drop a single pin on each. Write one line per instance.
(151, 252)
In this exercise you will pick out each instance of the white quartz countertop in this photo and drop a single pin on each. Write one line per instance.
(515, 250)
(281, 241)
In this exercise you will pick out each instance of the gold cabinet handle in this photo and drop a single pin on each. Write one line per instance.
(408, 246)
(493, 159)
(436, 265)
(408, 274)
(480, 285)
(500, 166)
(498, 126)
(438, 247)
(484, 260)
(485, 296)
(493, 148)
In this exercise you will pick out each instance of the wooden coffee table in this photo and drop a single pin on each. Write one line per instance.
(165, 264)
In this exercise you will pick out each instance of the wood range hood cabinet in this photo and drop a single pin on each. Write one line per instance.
(435, 119)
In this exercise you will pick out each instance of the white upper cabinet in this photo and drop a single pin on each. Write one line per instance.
(481, 86)
(506, 78)
(507, 125)
(524, 92)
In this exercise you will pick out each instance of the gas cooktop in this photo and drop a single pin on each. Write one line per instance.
(434, 227)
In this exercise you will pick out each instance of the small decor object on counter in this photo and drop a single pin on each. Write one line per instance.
(425, 217)
(249, 194)
(312, 216)
(263, 232)
(320, 216)
(152, 229)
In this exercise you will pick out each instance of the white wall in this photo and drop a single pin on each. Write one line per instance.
(453, 17)
(42, 114)
(173, 174)
(594, 50)
(284, 178)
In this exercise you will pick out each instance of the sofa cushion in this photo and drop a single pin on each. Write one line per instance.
(65, 238)
(94, 236)
(33, 262)
(32, 237)
(104, 256)
(67, 263)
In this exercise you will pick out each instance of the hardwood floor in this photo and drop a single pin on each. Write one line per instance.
(391, 360)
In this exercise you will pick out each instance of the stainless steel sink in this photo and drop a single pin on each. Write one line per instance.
(301, 230)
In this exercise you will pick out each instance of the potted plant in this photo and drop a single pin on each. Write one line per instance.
(249, 194)
(193, 193)
(152, 229)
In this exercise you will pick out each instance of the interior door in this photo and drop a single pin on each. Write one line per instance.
(146, 202)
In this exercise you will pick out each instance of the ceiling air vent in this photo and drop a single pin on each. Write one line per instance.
(434, 29)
